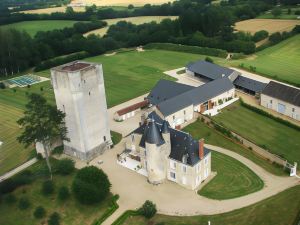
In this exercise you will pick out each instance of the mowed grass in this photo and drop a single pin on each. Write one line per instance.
(199, 130)
(278, 138)
(284, 14)
(32, 27)
(233, 179)
(280, 61)
(12, 153)
(281, 209)
(71, 212)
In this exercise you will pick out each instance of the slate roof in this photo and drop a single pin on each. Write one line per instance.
(165, 89)
(249, 84)
(210, 70)
(182, 144)
(195, 96)
(283, 92)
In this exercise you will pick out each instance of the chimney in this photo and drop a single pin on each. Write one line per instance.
(201, 148)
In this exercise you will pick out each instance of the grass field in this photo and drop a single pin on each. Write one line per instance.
(71, 212)
(233, 179)
(281, 209)
(124, 80)
(32, 27)
(270, 25)
(278, 138)
(52, 10)
(280, 61)
(122, 2)
(284, 14)
(201, 130)
(135, 20)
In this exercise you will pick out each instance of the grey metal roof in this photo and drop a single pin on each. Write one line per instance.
(195, 96)
(210, 70)
(165, 89)
(250, 84)
(283, 92)
(182, 144)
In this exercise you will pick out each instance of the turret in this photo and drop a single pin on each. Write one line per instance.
(165, 131)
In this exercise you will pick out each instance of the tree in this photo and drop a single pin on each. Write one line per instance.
(47, 187)
(90, 185)
(39, 212)
(208, 59)
(130, 6)
(276, 12)
(54, 219)
(23, 203)
(65, 166)
(42, 123)
(63, 193)
(148, 209)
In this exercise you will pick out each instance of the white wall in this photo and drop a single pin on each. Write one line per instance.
(180, 116)
(266, 102)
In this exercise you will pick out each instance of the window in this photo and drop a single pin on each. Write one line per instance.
(173, 117)
(198, 167)
(206, 161)
(184, 112)
(271, 101)
(173, 175)
(293, 109)
(104, 138)
(89, 93)
(184, 168)
(173, 165)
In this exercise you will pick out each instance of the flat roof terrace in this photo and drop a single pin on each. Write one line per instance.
(73, 66)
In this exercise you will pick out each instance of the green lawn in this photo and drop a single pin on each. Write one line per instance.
(32, 27)
(71, 212)
(278, 138)
(284, 14)
(281, 209)
(127, 75)
(233, 179)
(280, 61)
(200, 130)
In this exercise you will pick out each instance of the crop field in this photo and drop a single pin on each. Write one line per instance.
(270, 25)
(52, 10)
(280, 61)
(276, 137)
(134, 20)
(280, 209)
(233, 179)
(32, 27)
(124, 80)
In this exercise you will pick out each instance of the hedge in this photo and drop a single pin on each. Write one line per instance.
(114, 206)
(60, 60)
(264, 113)
(189, 49)
(121, 219)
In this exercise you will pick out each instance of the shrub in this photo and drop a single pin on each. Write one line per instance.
(93, 181)
(41, 89)
(54, 219)
(9, 198)
(260, 35)
(148, 209)
(297, 12)
(58, 150)
(39, 212)
(65, 166)
(11, 184)
(39, 156)
(63, 193)
(208, 59)
(23, 203)
(2, 85)
(47, 187)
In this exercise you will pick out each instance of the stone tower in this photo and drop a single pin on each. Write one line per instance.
(80, 93)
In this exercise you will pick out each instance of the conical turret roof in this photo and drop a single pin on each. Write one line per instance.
(153, 136)
(165, 127)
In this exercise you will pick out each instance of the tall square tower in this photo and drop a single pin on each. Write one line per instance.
(80, 93)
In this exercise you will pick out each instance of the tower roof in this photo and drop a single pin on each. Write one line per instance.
(153, 136)
(165, 128)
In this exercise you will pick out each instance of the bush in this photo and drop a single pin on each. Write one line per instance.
(9, 199)
(23, 203)
(65, 166)
(260, 35)
(11, 184)
(39, 156)
(148, 209)
(39, 212)
(58, 150)
(48, 187)
(93, 181)
(54, 219)
(208, 59)
(297, 12)
(63, 193)
(2, 85)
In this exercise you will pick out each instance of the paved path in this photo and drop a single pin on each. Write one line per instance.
(18, 169)
(171, 199)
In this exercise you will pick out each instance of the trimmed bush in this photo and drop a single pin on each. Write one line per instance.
(93, 181)
(109, 211)
(39, 212)
(63, 193)
(48, 187)
(65, 166)
(148, 209)
(208, 59)
(54, 219)
(23, 203)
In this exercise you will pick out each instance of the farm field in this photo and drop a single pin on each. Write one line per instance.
(32, 27)
(199, 130)
(85, 215)
(134, 20)
(52, 10)
(280, 61)
(233, 179)
(276, 137)
(121, 2)
(270, 25)
(265, 212)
